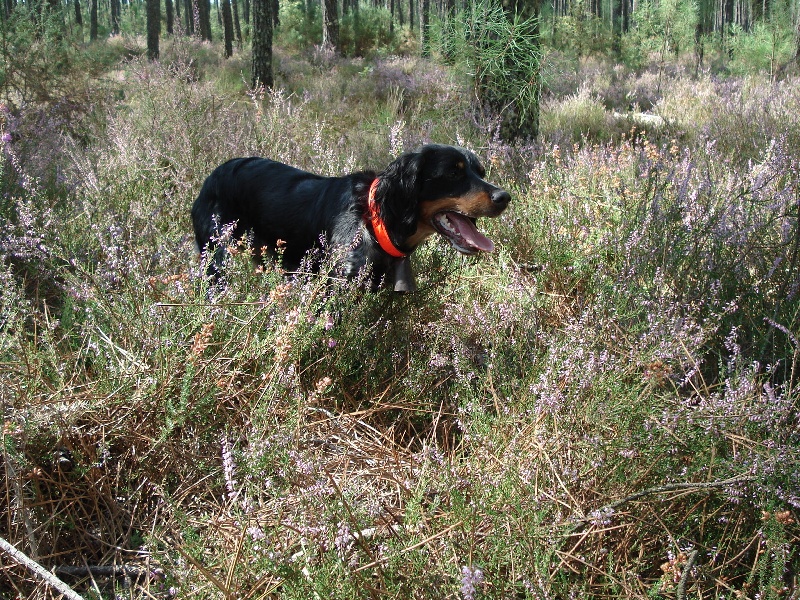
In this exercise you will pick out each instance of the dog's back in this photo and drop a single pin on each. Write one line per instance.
(271, 201)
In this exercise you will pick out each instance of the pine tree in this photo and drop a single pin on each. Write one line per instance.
(227, 26)
(500, 49)
(153, 28)
(330, 24)
(262, 43)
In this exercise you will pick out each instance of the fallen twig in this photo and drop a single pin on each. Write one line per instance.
(99, 570)
(680, 591)
(669, 487)
(39, 571)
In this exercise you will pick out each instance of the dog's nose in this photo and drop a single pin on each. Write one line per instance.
(501, 197)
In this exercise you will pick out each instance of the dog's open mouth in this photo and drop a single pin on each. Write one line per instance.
(461, 232)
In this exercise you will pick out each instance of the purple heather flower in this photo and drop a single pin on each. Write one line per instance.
(228, 468)
(471, 578)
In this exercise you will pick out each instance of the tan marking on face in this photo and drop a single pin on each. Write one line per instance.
(477, 204)
(423, 232)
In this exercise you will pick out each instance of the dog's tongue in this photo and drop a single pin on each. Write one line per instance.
(465, 231)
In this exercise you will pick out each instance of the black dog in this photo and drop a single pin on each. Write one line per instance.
(377, 220)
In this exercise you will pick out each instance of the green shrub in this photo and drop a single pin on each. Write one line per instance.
(769, 46)
(578, 116)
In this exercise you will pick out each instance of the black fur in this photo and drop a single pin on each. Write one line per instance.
(271, 201)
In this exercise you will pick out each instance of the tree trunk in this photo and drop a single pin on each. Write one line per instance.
(204, 16)
(262, 43)
(624, 16)
(797, 42)
(423, 29)
(227, 27)
(116, 10)
(330, 24)
(170, 16)
(190, 15)
(153, 28)
(237, 26)
(93, 20)
(78, 15)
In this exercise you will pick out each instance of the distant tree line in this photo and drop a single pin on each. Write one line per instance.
(505, 68)
(616, 17)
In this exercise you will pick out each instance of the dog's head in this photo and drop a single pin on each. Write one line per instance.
(438, 189)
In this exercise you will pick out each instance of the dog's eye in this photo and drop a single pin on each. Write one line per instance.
(454, 173)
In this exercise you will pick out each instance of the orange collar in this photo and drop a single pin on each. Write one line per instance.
(378, 226)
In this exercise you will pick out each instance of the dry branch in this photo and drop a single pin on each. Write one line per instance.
(39, 571)
(670, 487)
(680, 592)
(99, 570)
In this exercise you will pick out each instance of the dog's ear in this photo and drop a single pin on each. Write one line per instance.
(398, 192)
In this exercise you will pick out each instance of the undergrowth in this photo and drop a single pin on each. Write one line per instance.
(606, 406)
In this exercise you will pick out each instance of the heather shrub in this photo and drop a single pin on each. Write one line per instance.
(741, 117)
(746, 255)
(605, 406)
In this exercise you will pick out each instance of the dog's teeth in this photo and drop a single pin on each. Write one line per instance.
(445, 222)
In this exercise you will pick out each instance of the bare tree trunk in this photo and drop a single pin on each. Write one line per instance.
(93, 20)
(170, 16)
(78, 15)
(153, 28)
(227, 27)
(204, 13)
(237, 26)
(797, 41)
(192, 17)
(423, 30)
(262, 43)
(116, 11)
(330, 24)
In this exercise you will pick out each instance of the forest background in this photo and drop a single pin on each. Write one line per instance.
(607, 406)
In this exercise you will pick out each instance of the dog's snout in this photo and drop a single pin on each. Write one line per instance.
(501, 197)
